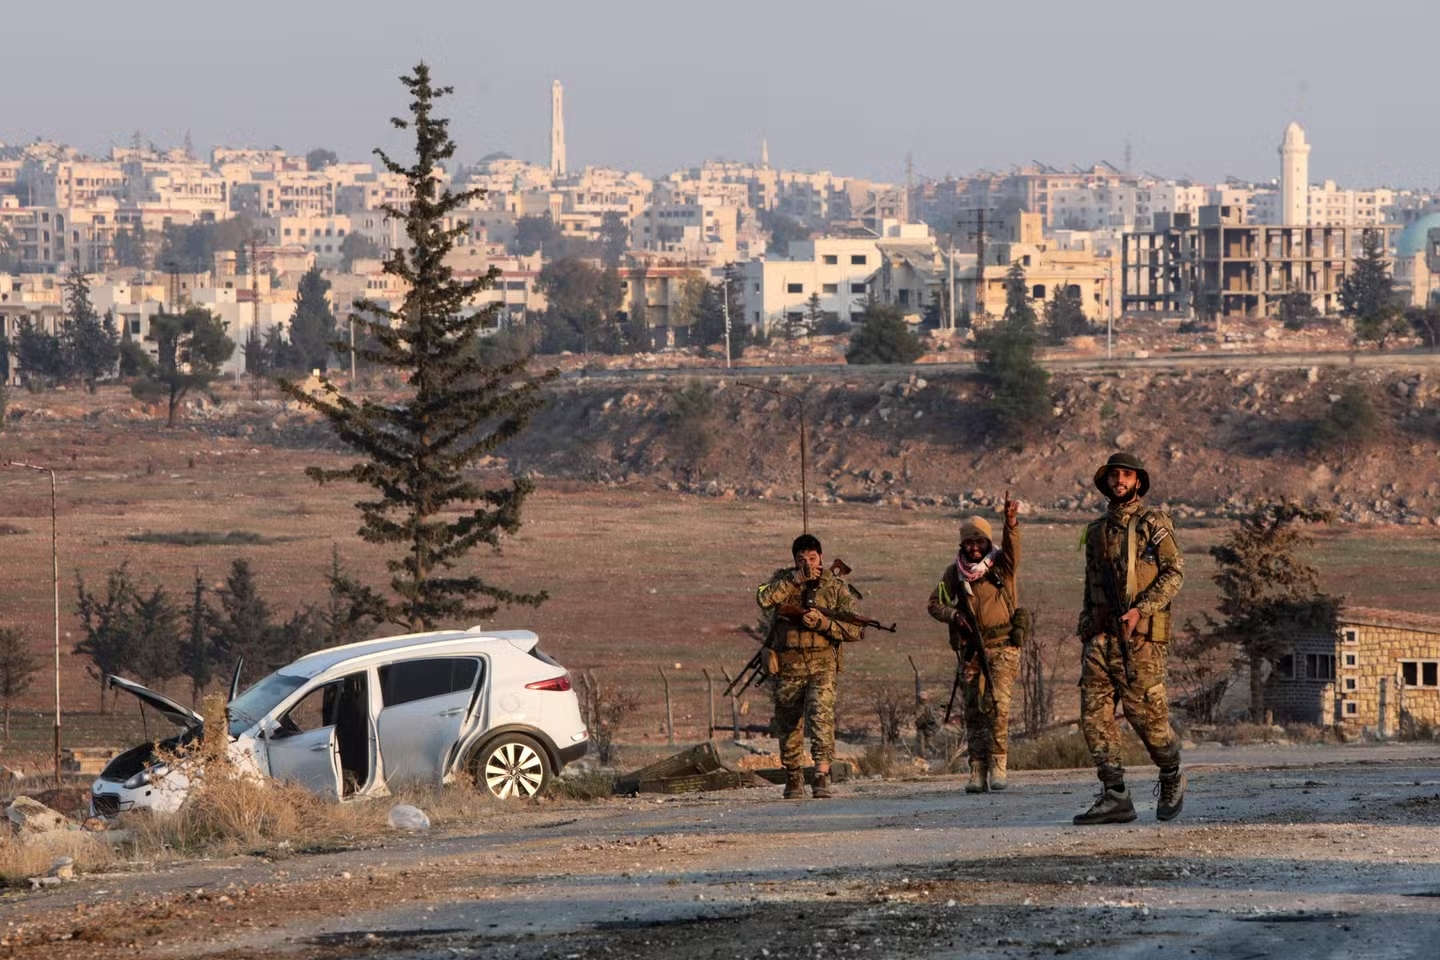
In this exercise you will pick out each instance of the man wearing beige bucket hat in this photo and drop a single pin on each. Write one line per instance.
(976, 597)
(1133, 569)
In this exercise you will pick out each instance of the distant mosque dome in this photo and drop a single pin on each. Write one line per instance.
(1413, 238)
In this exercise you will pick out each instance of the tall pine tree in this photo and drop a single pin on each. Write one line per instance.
(458, 407)
(312, 328)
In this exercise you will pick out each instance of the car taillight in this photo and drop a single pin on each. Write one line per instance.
(561, 682)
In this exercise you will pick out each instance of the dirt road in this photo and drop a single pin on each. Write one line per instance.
(1281, 851)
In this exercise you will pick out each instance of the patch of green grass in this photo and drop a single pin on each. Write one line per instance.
(202, 538)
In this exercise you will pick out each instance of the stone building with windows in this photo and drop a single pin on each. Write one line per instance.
(1379, 677)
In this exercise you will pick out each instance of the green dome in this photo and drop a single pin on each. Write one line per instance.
(1412, 239)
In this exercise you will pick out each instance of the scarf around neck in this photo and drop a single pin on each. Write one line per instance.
(970, 572)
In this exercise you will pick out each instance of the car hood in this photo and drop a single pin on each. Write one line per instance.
(179, 715)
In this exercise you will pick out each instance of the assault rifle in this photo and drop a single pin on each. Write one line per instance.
(974, 646)
(1117, 623)
(751, 672)
(796, 611)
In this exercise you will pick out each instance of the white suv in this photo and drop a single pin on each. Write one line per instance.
(353, 721)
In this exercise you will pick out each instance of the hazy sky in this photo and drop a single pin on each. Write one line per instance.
(1201, 90)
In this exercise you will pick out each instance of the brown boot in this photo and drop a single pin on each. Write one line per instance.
(978, 780)
(998, 779)
(821, 789)
(794, 785)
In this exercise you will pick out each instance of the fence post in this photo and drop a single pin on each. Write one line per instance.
(669, 710)
(734, 704)
(709, 703)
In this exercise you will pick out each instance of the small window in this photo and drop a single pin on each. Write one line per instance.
(830, 288)
(422, 679)
(1351, 684)
(858, 258)
(1319, 666)
(1037, 292)
(1350, 635)
(794, 288)
(857, 288)
(1351, 708)
(1285, 667)
(832, 259)
(1352, 660)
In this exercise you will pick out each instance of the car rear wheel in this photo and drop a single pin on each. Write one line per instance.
(512, 766)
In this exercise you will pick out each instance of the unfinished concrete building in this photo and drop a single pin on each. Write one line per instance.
(1184, 267)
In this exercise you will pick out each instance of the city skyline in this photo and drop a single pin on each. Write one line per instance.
(1201, 94)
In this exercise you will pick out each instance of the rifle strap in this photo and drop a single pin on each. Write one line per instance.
(1130, 559)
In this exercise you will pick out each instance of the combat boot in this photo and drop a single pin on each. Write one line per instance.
(821, 788)
(998, 780)
(978, 782)
(794, 785)
(1112, 806)
(1171, 793)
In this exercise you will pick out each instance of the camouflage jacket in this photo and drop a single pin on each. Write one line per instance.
(788, 633)
(1159, 569)
(993, 596)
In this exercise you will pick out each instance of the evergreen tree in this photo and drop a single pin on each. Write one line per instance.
(89, 344)
(1065, 314)
(197, 661)
(1005, 355)
(243, 628)
(312, 328)
(111, 633)
(457, 408)
(1367, 293)
(1268, 594)
(38, 356)
(883, 337)
(192, 347)
(159, 634)
(1296, 310)
(18, 666)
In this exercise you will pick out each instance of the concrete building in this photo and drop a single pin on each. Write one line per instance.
(1380, 676)
(1240, 269)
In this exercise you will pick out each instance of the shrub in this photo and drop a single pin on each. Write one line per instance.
(1067, 751)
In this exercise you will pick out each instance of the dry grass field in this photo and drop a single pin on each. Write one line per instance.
(641, 580)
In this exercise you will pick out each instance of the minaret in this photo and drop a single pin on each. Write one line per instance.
(765, 152)
(557, 130)
(1294, 178)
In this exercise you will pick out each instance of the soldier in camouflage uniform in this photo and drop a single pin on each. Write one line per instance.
(976, 597)
(805, 656)
(1133, 569)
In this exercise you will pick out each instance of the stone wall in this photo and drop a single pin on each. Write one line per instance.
(1368, 693)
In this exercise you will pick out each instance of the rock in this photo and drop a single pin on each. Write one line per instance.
(30, 818)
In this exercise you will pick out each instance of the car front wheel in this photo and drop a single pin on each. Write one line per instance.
(512, 766)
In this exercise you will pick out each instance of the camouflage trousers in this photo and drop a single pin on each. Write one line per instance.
(804, 696)
(988, 732)
(1143, 700)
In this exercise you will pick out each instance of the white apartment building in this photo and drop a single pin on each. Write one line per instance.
(839, 269)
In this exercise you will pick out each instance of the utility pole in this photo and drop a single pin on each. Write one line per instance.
(725, 307)
(978, 235)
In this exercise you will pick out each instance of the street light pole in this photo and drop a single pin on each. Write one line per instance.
(55, 583)
(725, 306)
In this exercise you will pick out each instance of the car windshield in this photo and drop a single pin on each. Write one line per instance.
(259, 700)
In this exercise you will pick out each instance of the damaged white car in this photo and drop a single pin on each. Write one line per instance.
(356, 720)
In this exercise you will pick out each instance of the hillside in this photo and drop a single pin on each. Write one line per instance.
(1215, 440)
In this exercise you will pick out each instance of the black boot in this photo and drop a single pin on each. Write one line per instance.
(1170, 792)
(1112, 806)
